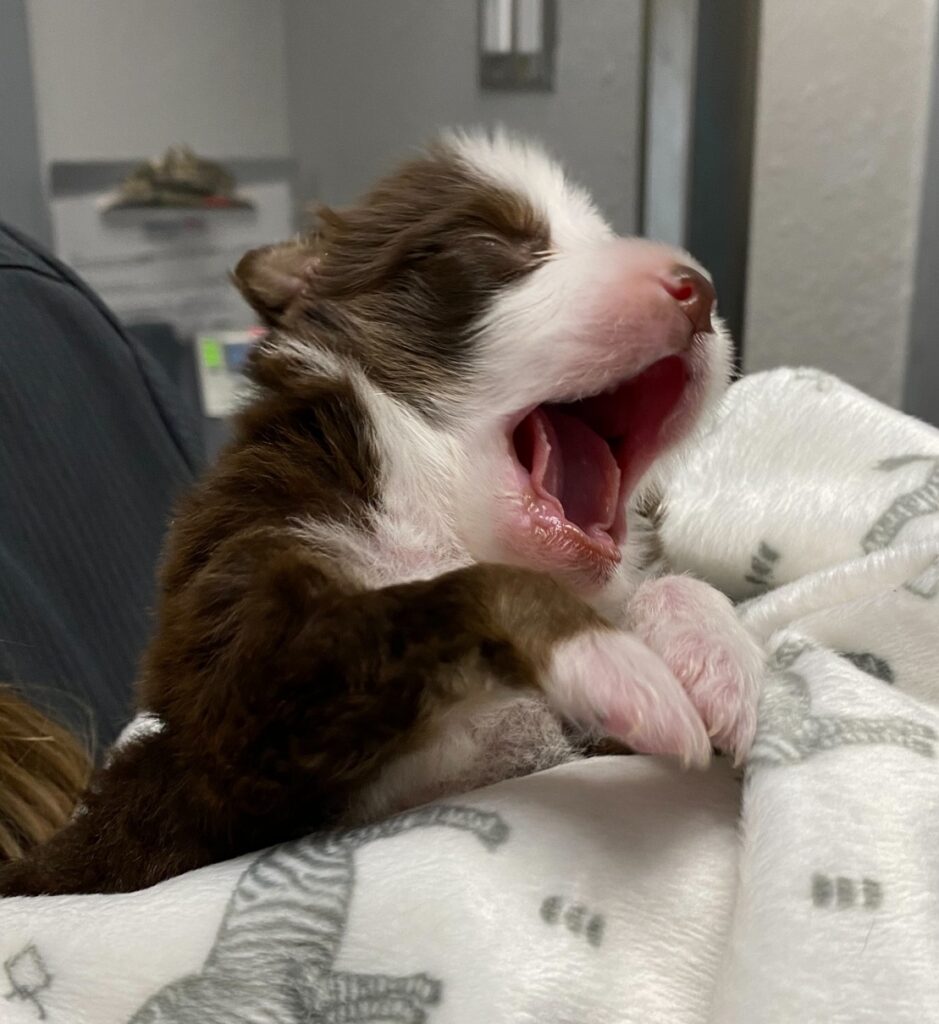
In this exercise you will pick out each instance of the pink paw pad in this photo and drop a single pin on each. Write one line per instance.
(694, 630)
(612, 684)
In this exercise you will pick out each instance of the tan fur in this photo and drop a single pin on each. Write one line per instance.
(43, 771)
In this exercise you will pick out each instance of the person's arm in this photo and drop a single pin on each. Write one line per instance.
(90, 465)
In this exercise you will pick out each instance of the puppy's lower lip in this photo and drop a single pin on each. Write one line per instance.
(579, 461)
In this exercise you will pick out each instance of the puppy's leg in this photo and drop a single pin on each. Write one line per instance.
(284, 694)
(695, 631)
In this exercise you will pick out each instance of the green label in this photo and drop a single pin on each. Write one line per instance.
(212, 357)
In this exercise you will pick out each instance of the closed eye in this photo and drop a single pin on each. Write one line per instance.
(518, 245)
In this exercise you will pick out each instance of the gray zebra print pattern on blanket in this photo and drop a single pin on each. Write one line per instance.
(273, 957)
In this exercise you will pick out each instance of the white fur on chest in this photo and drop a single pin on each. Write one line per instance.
(479, 742)
(393, 550)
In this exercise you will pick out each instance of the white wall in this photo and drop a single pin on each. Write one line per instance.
(370, 79)
(673, 27)
(22, 202)
(840, 142)
(122, 79)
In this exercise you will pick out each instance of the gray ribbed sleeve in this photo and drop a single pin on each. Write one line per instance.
(90, 463)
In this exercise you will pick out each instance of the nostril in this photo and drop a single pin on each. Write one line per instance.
(682, 290)
(694, 293)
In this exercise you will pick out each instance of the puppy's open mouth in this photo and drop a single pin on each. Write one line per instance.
(584, 458)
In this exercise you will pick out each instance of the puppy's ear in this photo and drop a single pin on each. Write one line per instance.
(275, 278)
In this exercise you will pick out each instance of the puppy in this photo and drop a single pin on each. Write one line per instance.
(423, 549)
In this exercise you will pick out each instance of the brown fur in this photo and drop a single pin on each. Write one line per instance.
(284, 688)
(394, 281)
(291, 692)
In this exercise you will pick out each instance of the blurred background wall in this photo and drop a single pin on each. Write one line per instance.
(837, 223)
(22, 193)
(369, 80)
(123, 79)
(842, 123)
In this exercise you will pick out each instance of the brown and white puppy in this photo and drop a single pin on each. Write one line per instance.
(423, 547)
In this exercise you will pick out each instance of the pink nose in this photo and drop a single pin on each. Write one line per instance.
(694, 293)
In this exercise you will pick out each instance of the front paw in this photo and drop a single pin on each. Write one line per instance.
(612, 684)
(695, 631)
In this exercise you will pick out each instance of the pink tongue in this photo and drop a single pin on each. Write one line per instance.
(574, 465)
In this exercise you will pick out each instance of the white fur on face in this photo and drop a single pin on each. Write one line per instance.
(592, 314)
(523, 168)
(563, 332)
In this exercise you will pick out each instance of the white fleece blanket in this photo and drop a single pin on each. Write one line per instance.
(618, 889)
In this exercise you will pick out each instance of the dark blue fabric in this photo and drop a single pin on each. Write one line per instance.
(91, 460)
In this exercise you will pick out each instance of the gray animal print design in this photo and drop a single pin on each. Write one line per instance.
(922, 501)
(842, 892)
(763, 567)
(576, 918)
(872, 664)
(27, 974)
(274, 955)
(789, 733)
